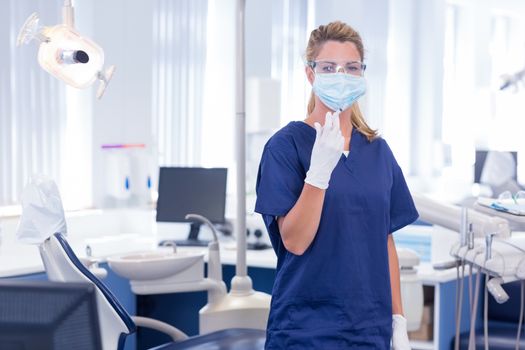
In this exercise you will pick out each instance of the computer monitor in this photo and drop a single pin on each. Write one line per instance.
(185, 191)
(48, 316)
(481, 157)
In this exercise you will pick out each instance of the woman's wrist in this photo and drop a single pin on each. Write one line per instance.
(397, 309)
(310, 187)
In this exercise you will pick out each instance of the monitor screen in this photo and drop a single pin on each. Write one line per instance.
(481, 157)
(191, 191)
(48, 315)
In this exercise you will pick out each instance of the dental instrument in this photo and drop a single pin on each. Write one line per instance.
(460, 279)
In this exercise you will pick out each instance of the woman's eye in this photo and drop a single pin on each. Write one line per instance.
(328, 69)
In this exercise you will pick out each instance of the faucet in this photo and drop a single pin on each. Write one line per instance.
(169, 243)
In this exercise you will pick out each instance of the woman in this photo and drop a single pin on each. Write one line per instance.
(331, 193)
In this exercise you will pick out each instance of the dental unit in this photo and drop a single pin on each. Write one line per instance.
(487, 245)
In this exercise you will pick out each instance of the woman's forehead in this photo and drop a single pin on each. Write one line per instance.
(339, 50)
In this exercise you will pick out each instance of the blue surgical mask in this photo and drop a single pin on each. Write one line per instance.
(339, 91)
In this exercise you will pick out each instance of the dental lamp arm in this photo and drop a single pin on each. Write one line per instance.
(68, 14)
(449, 216)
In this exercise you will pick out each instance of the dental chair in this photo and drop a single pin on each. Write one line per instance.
(62, 265)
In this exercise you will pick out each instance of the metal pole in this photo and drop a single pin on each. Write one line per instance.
(240, 147)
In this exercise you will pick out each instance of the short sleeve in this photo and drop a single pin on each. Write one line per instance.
(280, 180)
(402, 209)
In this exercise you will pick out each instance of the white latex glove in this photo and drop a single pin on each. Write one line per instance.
(327, 150)
(399, 333)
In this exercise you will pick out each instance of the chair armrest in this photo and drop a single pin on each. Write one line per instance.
(175, 333)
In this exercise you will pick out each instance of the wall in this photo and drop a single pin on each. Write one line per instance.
(404, 41)
(124, 30)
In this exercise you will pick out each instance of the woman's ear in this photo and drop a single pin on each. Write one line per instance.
(309, 74)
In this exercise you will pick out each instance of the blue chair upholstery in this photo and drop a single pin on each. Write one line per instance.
(503, 323)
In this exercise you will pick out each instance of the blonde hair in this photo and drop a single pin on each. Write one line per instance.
(342, 32)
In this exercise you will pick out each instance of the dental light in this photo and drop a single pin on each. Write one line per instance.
(65, 54)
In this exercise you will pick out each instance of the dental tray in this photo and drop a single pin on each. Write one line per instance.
(506, 206)
(516, 222)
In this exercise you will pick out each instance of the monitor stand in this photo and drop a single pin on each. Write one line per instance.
(257, 246)
(193, 237)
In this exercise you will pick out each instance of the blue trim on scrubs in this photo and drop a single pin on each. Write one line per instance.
(337, 294)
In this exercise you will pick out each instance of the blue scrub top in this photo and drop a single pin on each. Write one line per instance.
(337, 294)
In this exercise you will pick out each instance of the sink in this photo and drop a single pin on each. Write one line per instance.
(158, 265)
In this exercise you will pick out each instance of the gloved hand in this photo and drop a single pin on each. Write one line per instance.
(327, 150)
(399, 333)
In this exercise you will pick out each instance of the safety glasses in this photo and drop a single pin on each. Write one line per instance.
(332, 66)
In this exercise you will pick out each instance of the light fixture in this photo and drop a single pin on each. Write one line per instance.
(65, 54)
